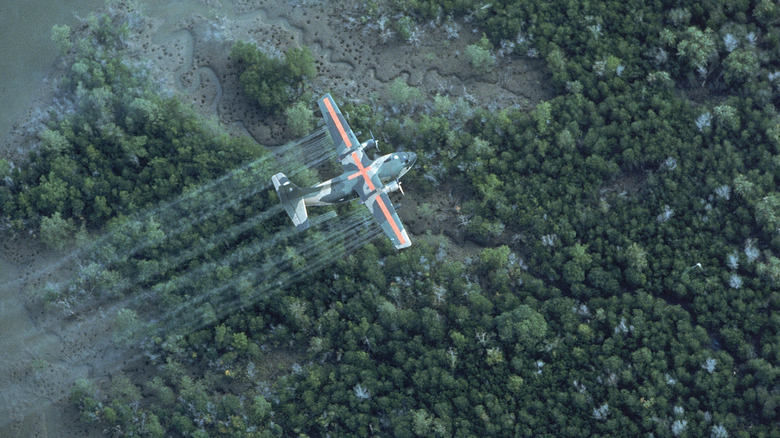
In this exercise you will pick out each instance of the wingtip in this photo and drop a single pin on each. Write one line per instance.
(406, 244)
(324, 97)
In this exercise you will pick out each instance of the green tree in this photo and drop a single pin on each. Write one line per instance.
(60, 35)
(5, 169)
(260, 410)
(696, 47)
(636, 257)
(163, 393)
(522, 325)
(768, 212)
(740, 66)
(574, 270)
(273, 83)
(402, 95)
(767, 12)
(153, 426)
(127, 325)
(57, 232)
(543, 116)
(480, 57)
(300, 119)
(84, 395)
(300, 64)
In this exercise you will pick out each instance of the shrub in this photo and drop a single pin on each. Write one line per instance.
(300, 119)
(479, 55)
(273, 83)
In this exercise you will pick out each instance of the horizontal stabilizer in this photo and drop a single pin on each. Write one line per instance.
(292, 201)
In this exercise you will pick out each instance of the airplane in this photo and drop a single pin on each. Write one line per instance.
(370, 180)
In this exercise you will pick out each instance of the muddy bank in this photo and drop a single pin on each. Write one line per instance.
(193, 59)
(28, 54)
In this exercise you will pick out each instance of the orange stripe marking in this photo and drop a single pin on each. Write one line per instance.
(361, 171)
(389, 218)
(364, 172)
(336, 120)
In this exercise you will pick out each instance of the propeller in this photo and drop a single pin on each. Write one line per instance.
(400, 187)
(376, 143)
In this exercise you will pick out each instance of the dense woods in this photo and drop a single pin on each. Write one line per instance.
(273, 83)
(627, 281)
(114, 143)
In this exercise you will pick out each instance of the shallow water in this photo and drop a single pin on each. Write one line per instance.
(26, 51)
(27, 54)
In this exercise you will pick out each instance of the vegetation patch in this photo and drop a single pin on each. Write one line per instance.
(273, 83)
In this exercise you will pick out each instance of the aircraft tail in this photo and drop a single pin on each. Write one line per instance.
(292, 200)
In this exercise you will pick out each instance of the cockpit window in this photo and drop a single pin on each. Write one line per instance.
(404, 158)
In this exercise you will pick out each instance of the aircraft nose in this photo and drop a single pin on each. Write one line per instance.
(412, 158)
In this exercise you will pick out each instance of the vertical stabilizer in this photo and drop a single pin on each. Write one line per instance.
(292, 201)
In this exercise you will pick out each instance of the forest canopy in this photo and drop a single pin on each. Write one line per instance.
(117, 145)
(626, 281)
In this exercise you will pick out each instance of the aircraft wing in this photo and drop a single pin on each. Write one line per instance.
(384, 212)
(358, 165)
(342, 135)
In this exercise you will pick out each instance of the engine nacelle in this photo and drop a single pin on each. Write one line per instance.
(368, 143)
(391, 187)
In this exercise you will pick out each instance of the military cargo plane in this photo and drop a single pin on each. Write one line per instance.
(371, 180)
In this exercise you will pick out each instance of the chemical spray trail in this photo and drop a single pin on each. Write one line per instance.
(199, 203)
(170, 220)
(90, 337)
(95, 346)
(112, 254)
(282, 262)
(207, 200)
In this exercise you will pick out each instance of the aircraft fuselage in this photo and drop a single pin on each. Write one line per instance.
(369, 180)
(389, 168)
